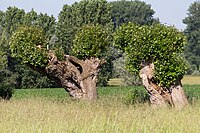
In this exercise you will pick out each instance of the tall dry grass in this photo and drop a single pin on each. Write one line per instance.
(39, 115)
(191, 80)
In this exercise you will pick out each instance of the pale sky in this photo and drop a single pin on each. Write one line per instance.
(170, 12)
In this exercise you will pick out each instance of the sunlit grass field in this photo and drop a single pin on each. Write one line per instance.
(52, 111)
(191, 80)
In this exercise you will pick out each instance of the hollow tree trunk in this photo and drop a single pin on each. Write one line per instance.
(161, 96)
(77, 77)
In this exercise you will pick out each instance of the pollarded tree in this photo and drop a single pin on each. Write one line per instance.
(77, 75)
(154, 53)
(125, 11)
(72, 17)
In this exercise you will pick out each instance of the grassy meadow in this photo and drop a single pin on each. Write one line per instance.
(43, 116)
(118, 110)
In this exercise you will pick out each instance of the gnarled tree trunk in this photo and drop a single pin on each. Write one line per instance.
(162, 96)
(77, 77)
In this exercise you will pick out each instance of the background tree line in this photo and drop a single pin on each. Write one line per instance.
(192, 52)
(61, 34)
(13, 72)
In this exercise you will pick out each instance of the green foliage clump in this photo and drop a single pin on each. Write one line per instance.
(136, 96)
(6, 90)
(91, 41)
(158, 44)
(29, 45)
(169, 70)
(59, 52)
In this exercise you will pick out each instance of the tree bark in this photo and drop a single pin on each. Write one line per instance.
(178, 96)
(77, 77)
(89, 85)
(162, 96)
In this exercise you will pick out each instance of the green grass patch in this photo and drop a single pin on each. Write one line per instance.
(122, 94)
(49, 93)
(192, 92)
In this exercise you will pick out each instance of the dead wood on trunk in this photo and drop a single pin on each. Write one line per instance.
(77, 77)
